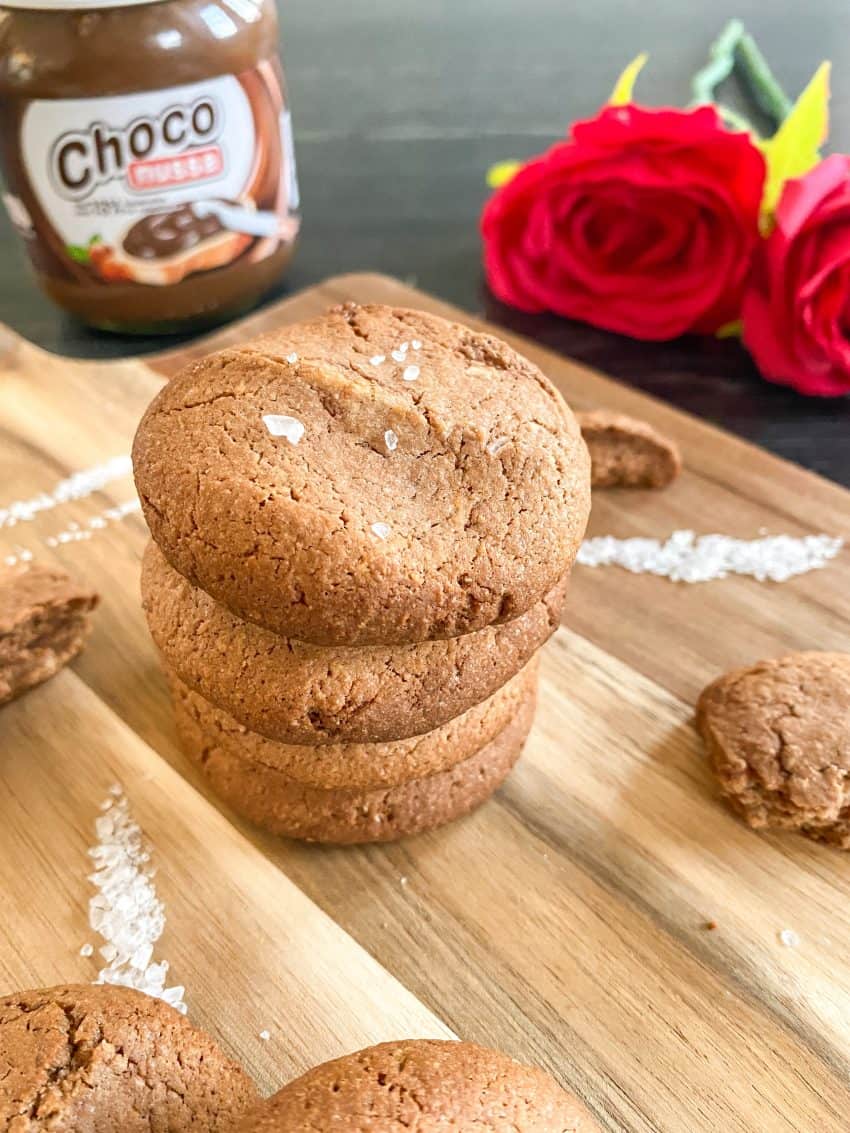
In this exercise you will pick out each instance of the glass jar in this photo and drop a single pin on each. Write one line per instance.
(147, 155)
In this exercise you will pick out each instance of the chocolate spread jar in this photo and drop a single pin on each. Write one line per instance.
(147, 155)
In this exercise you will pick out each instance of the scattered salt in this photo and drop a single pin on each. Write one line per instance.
(416, 344)
(382, 530)
(125, 911)
(403, 881)
(398, 355)
(497, 444)
(87, 950)
(789, 938)
(293, 357)
(76, 487)
(684, 557)
(411, 373)
(279, 425)
(265, 1036)
(377, 359)
(390, 440)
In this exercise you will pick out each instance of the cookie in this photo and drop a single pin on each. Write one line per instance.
(626, 452)
(778, 734)
(44, 623)
(282, 806)
(375, 476)
(306, 694)
(87, 1059)
(366, 766)
(424, 1085)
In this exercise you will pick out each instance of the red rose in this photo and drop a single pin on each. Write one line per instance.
(797, 307)
(643, 222)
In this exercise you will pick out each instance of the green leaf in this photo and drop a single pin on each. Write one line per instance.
(730, 330)
(795, 147)
(78, 252)
(622, 92)
(502, 172)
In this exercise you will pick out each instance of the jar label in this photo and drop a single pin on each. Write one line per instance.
(153, 187)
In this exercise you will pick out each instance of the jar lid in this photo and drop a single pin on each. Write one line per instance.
(71, 5)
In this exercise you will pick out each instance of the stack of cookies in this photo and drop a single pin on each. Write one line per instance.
(363, 530)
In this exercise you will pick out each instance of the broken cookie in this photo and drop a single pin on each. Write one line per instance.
(626, 452)
(44, 623)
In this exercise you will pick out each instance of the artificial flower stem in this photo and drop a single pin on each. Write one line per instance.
(721, 61)
(760, 81)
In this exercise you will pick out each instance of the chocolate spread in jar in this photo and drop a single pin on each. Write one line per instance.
(106, 151)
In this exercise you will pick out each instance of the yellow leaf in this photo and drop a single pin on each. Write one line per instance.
(502, 172)
(730, 330)
(622, 92)
(795, 147)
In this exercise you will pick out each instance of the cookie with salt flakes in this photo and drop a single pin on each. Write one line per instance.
(426, 1085)
(81, 1059)
(375, 476)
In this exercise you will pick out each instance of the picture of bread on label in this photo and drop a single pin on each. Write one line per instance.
(626, 452)
(164, 247)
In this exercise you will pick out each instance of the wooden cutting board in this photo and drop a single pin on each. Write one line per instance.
(565, 921)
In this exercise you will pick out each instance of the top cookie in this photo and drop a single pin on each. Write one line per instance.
(422, 1085)
(376, 476)
(778, 733)
(86, 1059)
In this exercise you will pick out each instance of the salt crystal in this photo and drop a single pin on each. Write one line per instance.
(377, 359)
(411, 373)
(398, 355)
(87, 950)
(265, 1036)
(279, 425)
(497, 444)
(126, 911)
(75, 487)
(416, 344)
(403, 881)
(684, 557)
(789, 938)
(382, 530)
(293, 357)
(390, 440)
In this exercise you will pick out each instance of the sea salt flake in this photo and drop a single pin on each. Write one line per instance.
(398, 355)
(411, 373)
(87, 950)
(377, 359)
(382, 530)
(279, 425)
(390, 440)
(293, 357)
(684, 557)
(497, 444)
(789, 938)
(416, 344)
(265, 1036)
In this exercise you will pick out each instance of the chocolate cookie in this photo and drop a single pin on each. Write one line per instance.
(423, 1085)
(298, 693)
(90, 1059)
(376, 476)
(364, 766)
(778, 734)
(44, 623)
(626, 452)
(268, 799)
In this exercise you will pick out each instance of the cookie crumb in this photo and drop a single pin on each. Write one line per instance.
(710, 926)
(626, 452)
(382, 530)
(279, 425)
(789, 938)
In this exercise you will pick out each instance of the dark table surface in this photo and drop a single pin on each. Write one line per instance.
(401, 107)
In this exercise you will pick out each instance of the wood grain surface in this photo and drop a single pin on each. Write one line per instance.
(565, 921)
